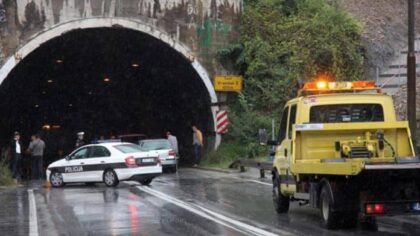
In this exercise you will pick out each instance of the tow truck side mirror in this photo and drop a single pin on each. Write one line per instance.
(272, 143)
(262, 135)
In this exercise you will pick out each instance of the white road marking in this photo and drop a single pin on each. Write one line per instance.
(213, 216)
(33, 219)
(253, 181)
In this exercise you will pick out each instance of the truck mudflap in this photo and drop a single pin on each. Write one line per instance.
(400, 163)
(389, 208)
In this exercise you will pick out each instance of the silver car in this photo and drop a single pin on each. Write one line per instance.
(168, 157)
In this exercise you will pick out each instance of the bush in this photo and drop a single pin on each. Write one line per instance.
(228, 152)
(284, 41)
(5, 173)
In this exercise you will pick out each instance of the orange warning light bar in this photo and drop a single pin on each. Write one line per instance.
(323, 85)
(315, 85)
(363, 84)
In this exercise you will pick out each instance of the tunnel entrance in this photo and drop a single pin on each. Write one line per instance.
(105, 82)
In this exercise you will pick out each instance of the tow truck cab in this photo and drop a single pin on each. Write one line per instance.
(341, 149)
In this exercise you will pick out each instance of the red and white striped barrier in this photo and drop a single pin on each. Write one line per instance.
(222, 122)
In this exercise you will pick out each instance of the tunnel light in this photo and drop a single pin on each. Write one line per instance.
(43, 92)
(47, 127)
(36, 105)
(50, 81)
(106, 80)
(70, 105)
(135, 65)
(59, 61)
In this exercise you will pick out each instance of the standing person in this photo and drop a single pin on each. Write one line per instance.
(37, 147)
(16, 151)
(197, 143)
(173, 141)
(80, 139)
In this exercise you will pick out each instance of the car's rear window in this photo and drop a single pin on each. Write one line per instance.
(155, 145)
(346, 113)
(128, 148)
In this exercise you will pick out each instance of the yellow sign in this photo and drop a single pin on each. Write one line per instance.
(227, 83)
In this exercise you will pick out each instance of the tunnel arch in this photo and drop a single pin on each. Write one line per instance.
(103, 22)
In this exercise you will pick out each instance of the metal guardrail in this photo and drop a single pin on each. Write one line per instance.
(261, 165)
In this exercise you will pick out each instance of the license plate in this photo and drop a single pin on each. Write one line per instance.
(148, 160)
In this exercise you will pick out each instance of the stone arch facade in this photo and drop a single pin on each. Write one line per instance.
(105, 22)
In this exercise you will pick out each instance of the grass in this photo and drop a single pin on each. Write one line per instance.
(5, 175)
(227, 153)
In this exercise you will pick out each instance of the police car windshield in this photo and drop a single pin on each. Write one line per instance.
(128, 148)
(346, 113)
(159, 144)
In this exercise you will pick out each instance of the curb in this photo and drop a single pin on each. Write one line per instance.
(8, 187)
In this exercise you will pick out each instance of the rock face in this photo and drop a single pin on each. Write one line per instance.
(385, 44)
(400, 101)
(385, 29)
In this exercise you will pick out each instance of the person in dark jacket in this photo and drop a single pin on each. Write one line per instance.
(36, 148)
(80, 139)
(16, 151)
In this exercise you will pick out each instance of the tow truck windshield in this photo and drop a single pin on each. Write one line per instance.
(339, 113)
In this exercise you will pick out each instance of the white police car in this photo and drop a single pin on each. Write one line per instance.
(105, 162)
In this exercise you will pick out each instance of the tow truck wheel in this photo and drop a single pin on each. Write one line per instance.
(281, 202)
(330, 218)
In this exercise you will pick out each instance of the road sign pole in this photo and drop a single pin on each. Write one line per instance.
(411, 72)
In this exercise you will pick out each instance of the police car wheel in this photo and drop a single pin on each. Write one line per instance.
(56, 179)
(146, 181)
(110, 178)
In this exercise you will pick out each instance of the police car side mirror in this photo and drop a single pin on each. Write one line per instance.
(67, 158)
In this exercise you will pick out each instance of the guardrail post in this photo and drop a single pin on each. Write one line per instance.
(262, 173)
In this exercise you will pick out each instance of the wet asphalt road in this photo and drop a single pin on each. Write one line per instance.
(192, 202)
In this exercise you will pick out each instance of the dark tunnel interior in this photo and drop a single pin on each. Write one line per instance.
(105, 82)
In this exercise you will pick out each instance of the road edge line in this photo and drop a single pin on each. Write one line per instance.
(253, 181)
(33, 218)
(208, 214)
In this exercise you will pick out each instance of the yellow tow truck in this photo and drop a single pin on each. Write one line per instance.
(341, 149)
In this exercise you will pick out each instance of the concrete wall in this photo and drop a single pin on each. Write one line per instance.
(204, 26)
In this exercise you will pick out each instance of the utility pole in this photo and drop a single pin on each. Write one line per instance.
(411, 72)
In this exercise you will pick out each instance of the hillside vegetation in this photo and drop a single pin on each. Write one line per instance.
(284, 41)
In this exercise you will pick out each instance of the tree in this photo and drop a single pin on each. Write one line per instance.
(284, 41)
